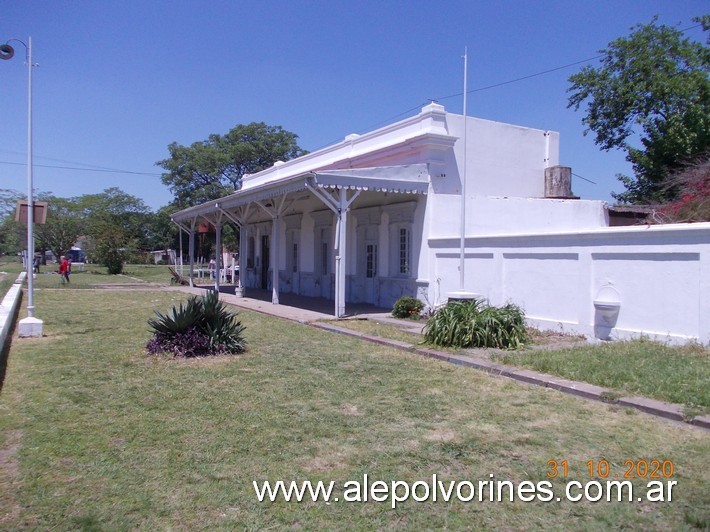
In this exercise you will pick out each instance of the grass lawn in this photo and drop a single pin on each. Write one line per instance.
(152, 273)
(6, 281)
(383, 330)
(94, 435)
(651, 369)
(91, 276)
(639, 367)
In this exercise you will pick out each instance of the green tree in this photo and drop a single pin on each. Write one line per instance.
(116, 224)
(62, 229)
(653, 88)
(12, 234)
(215, 167)
(109, 245)
(161, 232)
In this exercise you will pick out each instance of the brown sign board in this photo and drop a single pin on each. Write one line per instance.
(39, 212)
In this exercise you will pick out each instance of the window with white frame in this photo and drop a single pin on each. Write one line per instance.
(400, 253)
(404, 250)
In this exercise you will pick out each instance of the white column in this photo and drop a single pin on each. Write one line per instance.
(218, 254)
(336, 295)
(342, 253)
(191, 250)
(181, 259)
(275, 261)
(243, 247)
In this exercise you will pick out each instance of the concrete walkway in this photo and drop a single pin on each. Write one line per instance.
(318, 312)
(291, 307)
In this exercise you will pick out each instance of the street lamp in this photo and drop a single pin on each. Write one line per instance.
(29, 326)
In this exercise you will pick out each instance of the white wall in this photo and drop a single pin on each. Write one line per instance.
(659, 275)
(503, 159)
(499, 216)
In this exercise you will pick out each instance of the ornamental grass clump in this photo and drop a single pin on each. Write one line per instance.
(476, 324)
(203, 326)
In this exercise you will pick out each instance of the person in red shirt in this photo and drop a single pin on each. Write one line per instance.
(64, 270)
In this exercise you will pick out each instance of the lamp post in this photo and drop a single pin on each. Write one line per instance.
(29, 326)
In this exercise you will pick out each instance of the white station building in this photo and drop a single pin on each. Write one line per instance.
(379, 216)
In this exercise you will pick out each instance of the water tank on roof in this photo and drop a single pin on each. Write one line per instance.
(558, 182)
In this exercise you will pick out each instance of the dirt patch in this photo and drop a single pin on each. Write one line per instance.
(441, 434)
(328, 460)
(554, 340)
(350, 410)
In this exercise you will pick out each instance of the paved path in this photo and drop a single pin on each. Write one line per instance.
(292, 313)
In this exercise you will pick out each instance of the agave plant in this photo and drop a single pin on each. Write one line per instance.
(202, 326)
(221, 325)
(180, 320)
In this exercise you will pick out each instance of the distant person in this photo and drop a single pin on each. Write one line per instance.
(212, 267)
(64, 268)
(37, 263)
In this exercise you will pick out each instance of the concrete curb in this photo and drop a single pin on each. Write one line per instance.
(587, 391)
(8, 308)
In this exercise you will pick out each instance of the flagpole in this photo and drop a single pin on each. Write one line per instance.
(462, 270)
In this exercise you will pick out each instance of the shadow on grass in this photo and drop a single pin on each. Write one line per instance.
(5, 353)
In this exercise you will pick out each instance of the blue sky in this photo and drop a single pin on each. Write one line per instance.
(119, 80)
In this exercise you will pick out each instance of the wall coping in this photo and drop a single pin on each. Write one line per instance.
(684, 229)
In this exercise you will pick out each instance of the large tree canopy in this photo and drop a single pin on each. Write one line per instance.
(11, 233)
(63, 228)
(652, 90)
(112, 224)
(215, 167)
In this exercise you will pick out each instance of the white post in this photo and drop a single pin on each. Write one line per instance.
(275, 261)
(462, 293)
(342, 253)
(191, 250)
(243, 240)
(30, 326)
(30, 191)
(462, 269)
(181, 261)
(218, 254)
(336, 249)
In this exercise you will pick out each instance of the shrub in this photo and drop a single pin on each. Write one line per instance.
(476, 324)
(203, 326)
(407, 307)
(108, 246)
(113, 260)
